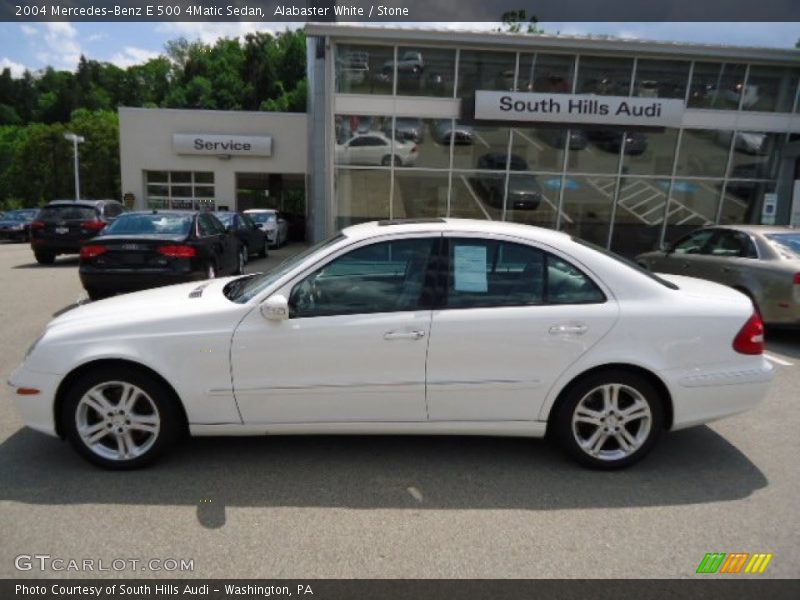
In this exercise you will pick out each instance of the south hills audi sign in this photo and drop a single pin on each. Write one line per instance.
(578, 108)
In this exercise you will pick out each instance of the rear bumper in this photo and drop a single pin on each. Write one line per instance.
(132, 281)
(56, 246)
(716, 393)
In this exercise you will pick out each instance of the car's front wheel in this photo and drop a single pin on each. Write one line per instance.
(120, 418)
(609, 420)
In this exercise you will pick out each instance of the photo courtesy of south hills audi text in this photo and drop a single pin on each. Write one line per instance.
(155, 590)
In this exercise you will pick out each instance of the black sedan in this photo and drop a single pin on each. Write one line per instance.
(250, 235)
(142, 250)
(635, 142)
(524, 191)
(15, 225)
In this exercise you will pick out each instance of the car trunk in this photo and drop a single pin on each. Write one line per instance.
(130, 252)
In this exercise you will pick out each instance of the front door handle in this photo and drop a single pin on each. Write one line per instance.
(404, 335)
(572, 328)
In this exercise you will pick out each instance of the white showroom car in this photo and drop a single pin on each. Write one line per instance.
(376, 148)
(421, 327)
(272, 223)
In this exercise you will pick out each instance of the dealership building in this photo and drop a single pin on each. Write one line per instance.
(628, 144)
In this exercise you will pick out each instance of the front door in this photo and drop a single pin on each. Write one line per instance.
(353, 348)
(512, 319)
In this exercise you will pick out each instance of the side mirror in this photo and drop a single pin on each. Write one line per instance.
(275, 308)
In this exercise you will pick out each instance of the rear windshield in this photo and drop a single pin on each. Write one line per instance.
(19, 215)
(628, 263)
(226, 218)
(787, 243)
(152, 224)
(262, 217)
(66, 212)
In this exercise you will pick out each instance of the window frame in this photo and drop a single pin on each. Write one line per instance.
(430, 279)
(443, 274)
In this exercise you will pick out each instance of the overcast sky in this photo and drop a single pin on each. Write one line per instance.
(37, 45)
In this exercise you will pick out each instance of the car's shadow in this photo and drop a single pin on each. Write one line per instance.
(61, 262)
(784, 341)
(689, 467)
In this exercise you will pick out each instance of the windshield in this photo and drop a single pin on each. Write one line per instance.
(226, 218)
(19, 215)
(150, 224)
(262, 217)
(787, 243)
(628, 263)
(242, 290)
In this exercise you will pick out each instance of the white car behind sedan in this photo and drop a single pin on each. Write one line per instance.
(427, 327)
(376, 148)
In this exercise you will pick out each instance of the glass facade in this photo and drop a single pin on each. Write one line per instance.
(629, 190)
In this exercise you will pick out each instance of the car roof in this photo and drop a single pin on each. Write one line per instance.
(260, 210)
(170, 211)
(377, 228)
(758, 229)
(91, 203)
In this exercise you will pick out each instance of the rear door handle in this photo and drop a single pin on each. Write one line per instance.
(404, 335)
(575, 329)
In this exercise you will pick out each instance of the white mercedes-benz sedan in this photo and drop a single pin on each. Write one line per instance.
(418, 327)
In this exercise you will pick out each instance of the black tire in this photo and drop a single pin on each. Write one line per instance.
(164, 406)
(587, 393)
(385, 161)
(264, 248)
(45, 258)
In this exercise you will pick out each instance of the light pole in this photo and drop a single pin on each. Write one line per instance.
(75, 139)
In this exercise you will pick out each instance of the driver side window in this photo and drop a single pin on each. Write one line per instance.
(694, 243)
(384, 277)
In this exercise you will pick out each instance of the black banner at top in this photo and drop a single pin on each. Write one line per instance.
(389, 11)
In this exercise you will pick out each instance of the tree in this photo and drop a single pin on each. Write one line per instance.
(515, 21)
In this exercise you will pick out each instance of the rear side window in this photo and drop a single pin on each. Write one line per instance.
(490, 273)
(66, 212)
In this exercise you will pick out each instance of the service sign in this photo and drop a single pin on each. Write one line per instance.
(578, 108)
(221, 145)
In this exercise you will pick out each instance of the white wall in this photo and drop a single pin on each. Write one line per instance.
(145, 139)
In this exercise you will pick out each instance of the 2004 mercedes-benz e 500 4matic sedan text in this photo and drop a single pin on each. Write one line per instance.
(434, 326)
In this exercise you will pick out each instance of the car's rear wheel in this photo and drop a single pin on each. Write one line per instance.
(264, 248)
(120, 418)
(609, 420)
(45, 258)
(95, 294)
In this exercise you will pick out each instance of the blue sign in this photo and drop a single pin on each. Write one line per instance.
(555, 183)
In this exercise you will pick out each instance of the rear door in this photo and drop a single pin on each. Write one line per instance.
(688, 256)
(513, 318)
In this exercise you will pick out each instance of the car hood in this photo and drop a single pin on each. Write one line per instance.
(170, 306)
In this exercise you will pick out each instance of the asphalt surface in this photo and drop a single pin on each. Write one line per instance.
(447, 507)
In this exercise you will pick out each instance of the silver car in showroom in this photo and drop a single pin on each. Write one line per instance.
(761, 261)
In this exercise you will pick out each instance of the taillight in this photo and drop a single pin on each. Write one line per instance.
(37, 224)
(750, 339)
(796, 288)
(178, 251)
(93, 225)
(92, 251)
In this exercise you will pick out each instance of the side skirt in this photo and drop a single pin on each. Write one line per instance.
(534, 429)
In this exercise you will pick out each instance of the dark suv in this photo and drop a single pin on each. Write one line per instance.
(63, 226)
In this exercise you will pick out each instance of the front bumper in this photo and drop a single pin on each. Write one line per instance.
(36, 410)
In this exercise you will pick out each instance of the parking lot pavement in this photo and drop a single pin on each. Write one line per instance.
(394, 506)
